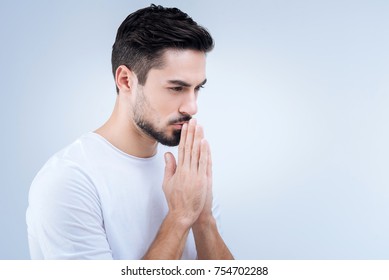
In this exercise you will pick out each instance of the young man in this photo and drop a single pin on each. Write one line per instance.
(114, 194)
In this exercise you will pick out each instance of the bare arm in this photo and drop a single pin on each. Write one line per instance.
(170, 241)
(209, 244)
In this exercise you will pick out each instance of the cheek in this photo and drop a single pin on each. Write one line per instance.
(167, 105)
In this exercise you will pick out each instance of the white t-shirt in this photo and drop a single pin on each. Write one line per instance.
(93, 201)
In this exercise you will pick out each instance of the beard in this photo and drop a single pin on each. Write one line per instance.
(142, 108)
(160, 136)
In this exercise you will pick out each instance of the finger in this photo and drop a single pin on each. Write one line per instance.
(209, 167)
(170, 167)
(181, 146)
(203, 162)
(189, 142)
(199, 134)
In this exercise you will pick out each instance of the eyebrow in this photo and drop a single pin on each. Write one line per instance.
(185, 84)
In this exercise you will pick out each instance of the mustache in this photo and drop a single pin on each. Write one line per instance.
(183, 118)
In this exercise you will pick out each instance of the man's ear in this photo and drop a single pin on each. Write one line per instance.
(125, 79)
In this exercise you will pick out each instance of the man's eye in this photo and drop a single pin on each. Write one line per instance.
(198, 88)
(177, 89)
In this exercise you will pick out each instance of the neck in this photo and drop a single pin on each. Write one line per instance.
(121, 131)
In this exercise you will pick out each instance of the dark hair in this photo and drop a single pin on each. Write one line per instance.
(145, 34)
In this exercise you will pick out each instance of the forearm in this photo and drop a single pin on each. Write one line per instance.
(170, 240)
(209, 243)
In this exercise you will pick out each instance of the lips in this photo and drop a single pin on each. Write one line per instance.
(179, 125)
(179, 122)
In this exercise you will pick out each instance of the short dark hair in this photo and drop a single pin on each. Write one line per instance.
(145, 34)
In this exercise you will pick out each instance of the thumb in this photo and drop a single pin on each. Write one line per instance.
(170, 166)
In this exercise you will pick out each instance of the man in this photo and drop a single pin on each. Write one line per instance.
(113, 194)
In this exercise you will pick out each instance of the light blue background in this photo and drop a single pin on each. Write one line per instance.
(296, 110)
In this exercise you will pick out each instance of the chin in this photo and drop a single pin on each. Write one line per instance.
(171, 140)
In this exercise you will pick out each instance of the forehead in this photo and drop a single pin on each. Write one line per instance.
(183, 65)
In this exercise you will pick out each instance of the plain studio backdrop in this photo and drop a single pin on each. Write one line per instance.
(296, 110)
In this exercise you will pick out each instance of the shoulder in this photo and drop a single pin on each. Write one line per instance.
(75, 159)
(64, 174)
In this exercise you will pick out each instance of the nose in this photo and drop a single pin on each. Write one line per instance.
(189, 104)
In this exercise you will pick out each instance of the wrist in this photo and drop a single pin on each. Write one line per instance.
(204, 222)
(179, 222)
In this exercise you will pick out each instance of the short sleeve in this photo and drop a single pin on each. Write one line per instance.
(64, 216)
